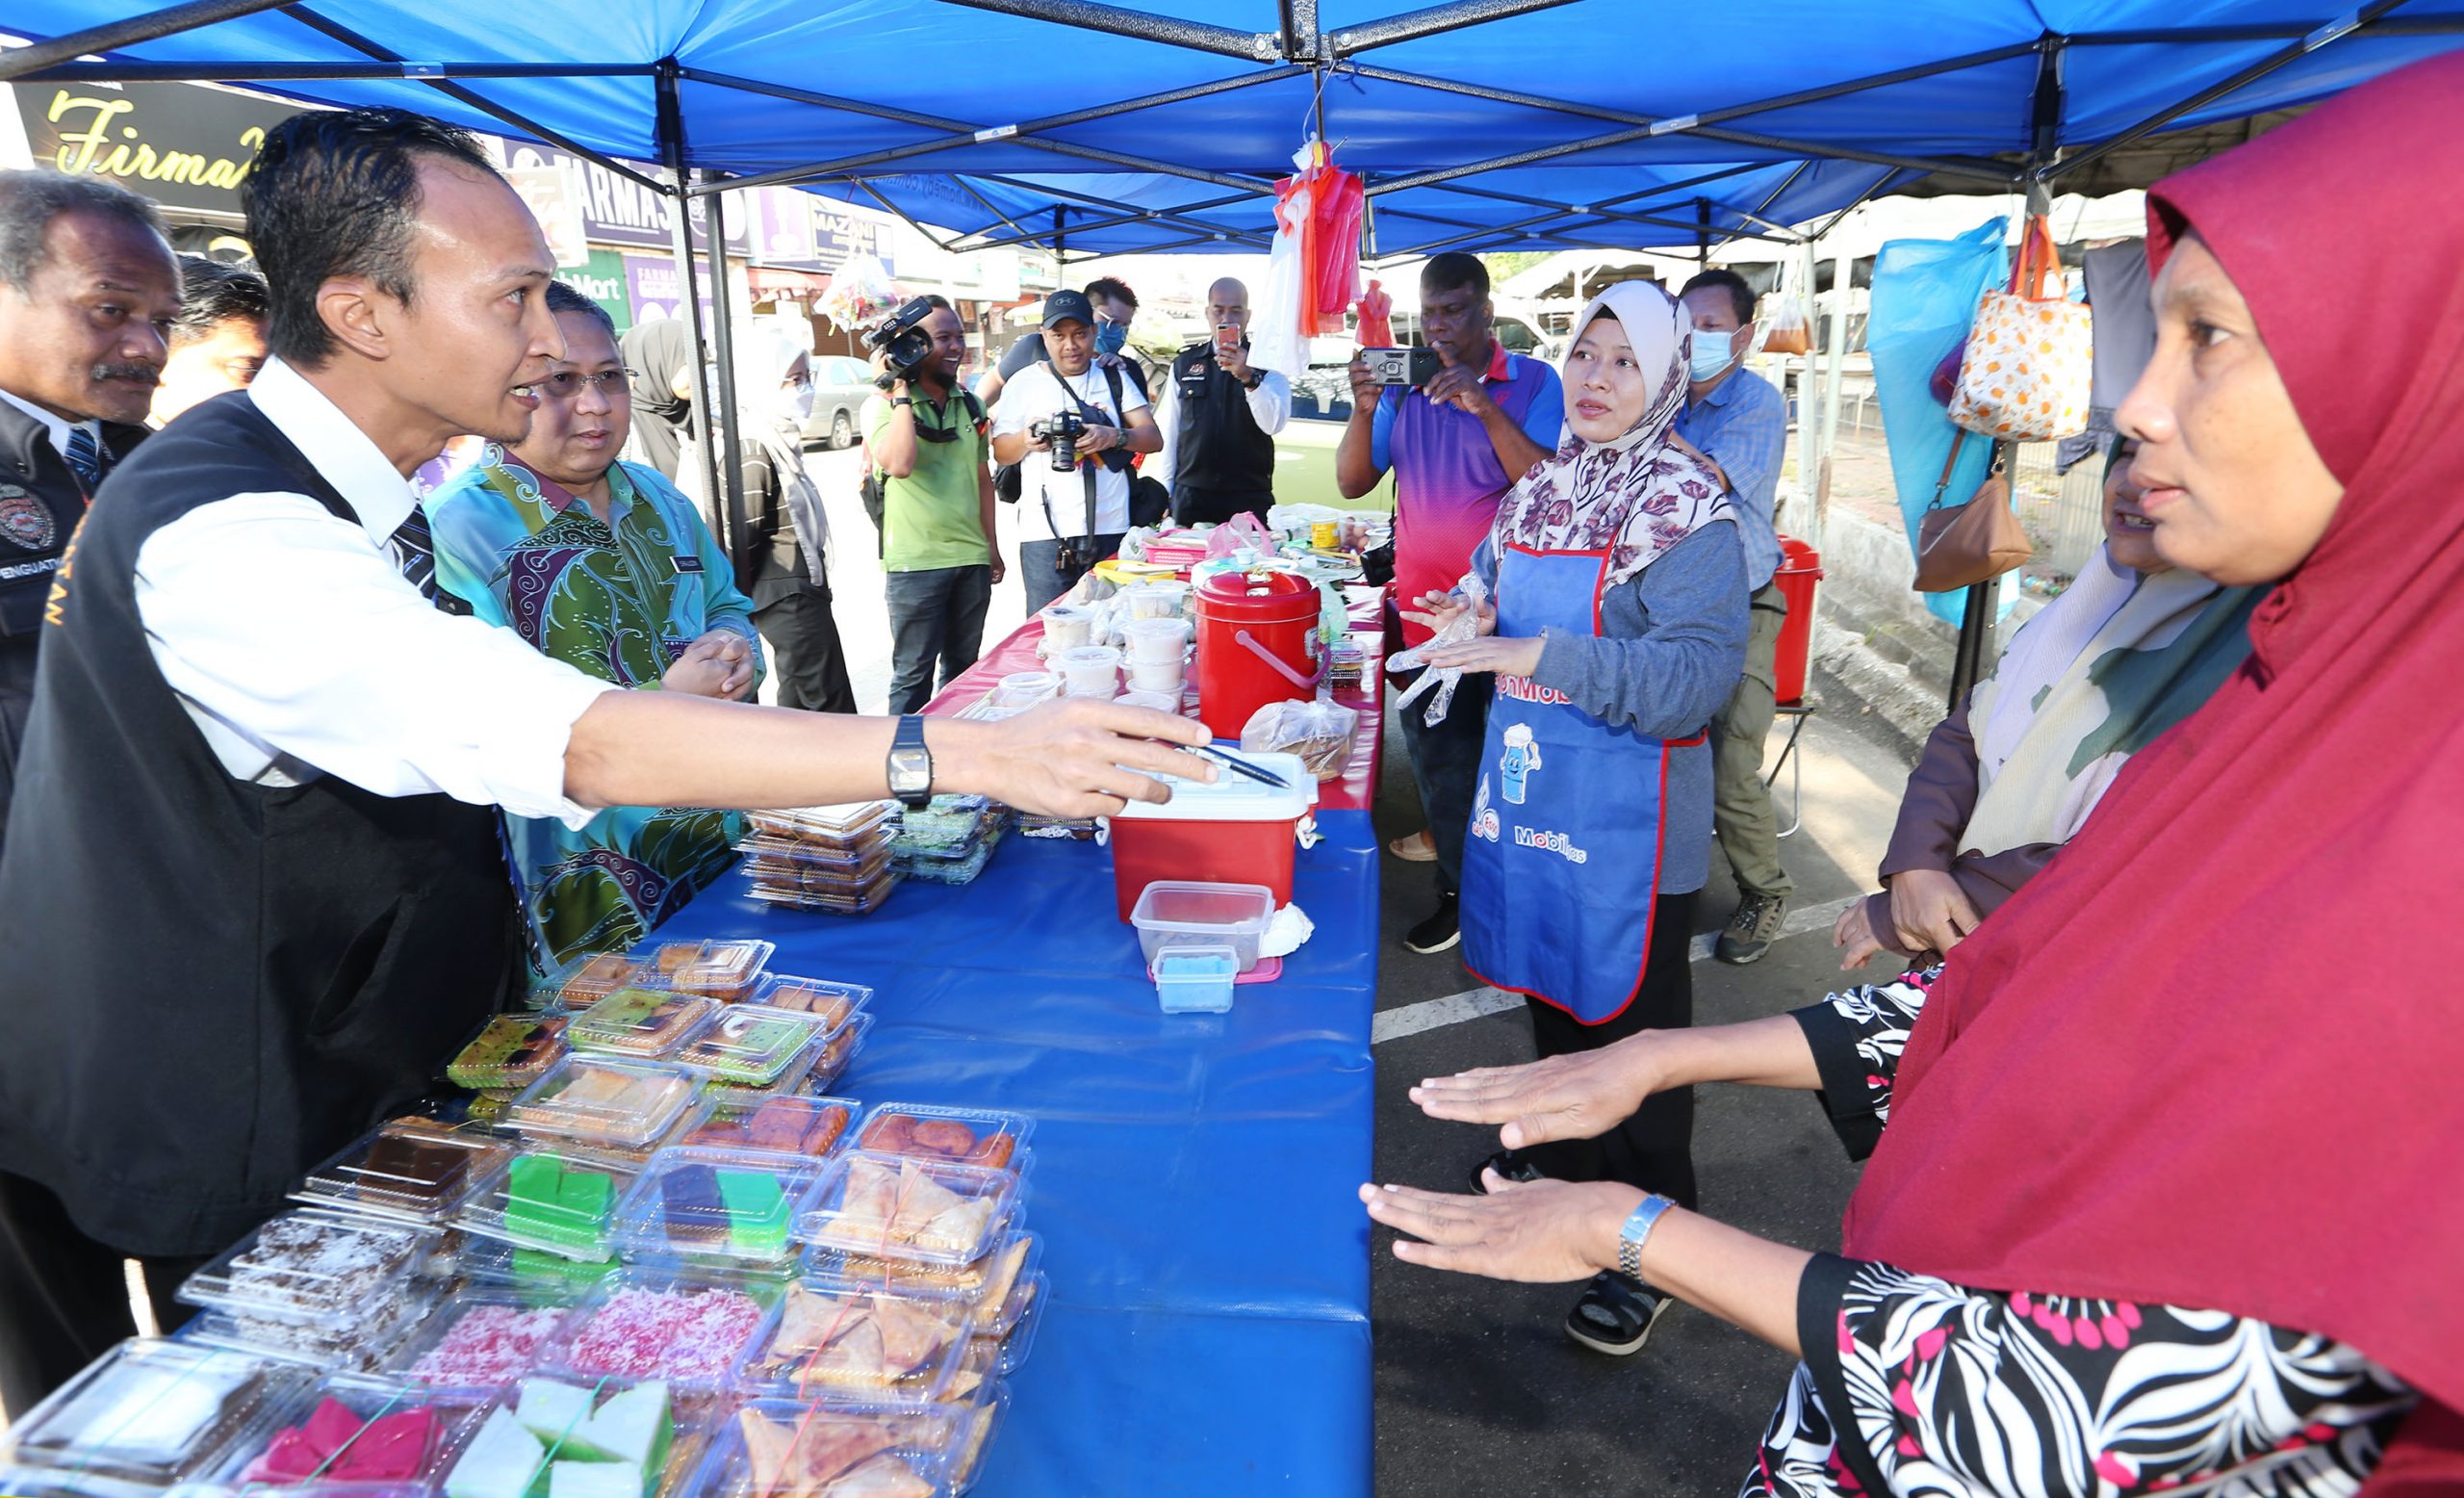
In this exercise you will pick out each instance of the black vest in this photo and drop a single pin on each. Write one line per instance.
(211, 984)
(1223, 462)
(41, 502)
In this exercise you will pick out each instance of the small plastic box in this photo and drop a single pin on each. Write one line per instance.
(819, 1342)
(604, 1102)
(547, 1431)
(408, 1171)
(899, 1207)
(958, 1136)
(834, 1001)
(490, 1263)
(353, 1344)
(824, 899)
(1195, 979)
(353, 1430)
(720, 1208)
(691, 1329)
(1018, 1338)
(552, 1201)
(594, 977)
(799, 1128)
(1184, 912)
(748, 1046)
(313, 1268)
(922, 1447)
(987, 1286)
(649, 1024)
(843, 826)
(483, 1338)
(783, 860)
(151, 1413)
(510, 1052)
(723, 970)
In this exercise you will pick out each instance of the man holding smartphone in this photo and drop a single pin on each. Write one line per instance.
(1456, 445)
(1220, 419)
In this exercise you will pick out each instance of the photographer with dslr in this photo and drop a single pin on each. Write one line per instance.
(925, 436)
(1456, 443)
(1073, 504)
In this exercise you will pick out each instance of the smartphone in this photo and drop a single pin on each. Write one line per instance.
(1416, 365)
(1227, 340)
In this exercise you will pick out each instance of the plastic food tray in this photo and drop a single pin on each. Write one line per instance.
(552, 1201)
(485, 1337)
(491, 1263)
(1009, 1264)
(149, 1414)
(898, 1208)
(567, 1402)
(369, 1409)
(960, 1136)
(750, 1046)
(819, 1343)
(512, 1052)
(313, 1268)
(825, 901)
(834, 1001)
(595, 977)
(604, 1101)
(725, 970)
(842, 826)
(784, 857)
(795, 1127)
(1016, 1332)
(647, 1024)
(721, 1208)
(409, 1171)
(925, 1445)
(361, 1344)
(691, 1329)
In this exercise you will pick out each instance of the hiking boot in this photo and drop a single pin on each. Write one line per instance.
(1752, 929)
(1439, 931)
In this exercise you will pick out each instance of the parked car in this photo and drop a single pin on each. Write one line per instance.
(1304, 451)
(839, 388)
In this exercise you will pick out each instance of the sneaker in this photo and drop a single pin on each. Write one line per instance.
(1437, 933)
(1752, 929)
(1616, 1314)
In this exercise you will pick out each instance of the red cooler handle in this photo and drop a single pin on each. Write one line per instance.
(1307, 684)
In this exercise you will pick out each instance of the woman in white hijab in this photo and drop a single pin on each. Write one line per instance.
(1619, 631)
(780, 538)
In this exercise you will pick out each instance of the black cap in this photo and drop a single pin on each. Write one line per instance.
(1060, 305)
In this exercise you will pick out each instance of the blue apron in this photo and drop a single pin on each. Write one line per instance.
(1561, 862)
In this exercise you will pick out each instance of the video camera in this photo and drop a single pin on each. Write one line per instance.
(902, 342)
(1063, 430)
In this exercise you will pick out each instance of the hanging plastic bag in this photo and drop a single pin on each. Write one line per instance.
(1318, 731)
(860, 292)
(1442, 680)
(1783, 327)
(1275, 324)
(1377, 328)
(1242, 532)
(1338, 202)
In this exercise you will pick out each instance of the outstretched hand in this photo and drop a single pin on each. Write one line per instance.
(1538, 1232)
(1077, 757)
(1582, 1094)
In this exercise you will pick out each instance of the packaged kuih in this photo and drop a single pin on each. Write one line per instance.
(807, 1127)
(752, 1046)
(875, 1342)
(962, 1136)
(833, 1002)
(723, 970)
(649, 1024)
(594, 977)
(648, 1322)
(485, 1337)
(359, 1429)
(823, 894)
(602, 1438)
(411, 1170)
(836, 1448)
(535, 1274)
(719, 1208)
(602, 1101)
(347, 1344)
(151, 1413)
(552, 1201)
(897, 1206)
(510, 1051)
(1318, 731)
(315, 1268)
(847, 826)
(987, 1286)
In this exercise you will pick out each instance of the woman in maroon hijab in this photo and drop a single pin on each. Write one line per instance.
(2169, 1196)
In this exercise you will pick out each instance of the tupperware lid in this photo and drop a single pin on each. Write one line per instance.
(410, 1170)
(753, 1046)
(1196, 962)
(1234, 797)
(1258, 595)
(737, 1207)
(601, 1101)
(643, 1023)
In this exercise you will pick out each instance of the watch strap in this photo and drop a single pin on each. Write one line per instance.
(906, 747)
(1638, 1231)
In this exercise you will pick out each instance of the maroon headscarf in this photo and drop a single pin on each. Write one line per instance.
(2214, 1056)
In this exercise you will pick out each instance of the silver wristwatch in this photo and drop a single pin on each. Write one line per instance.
(1638, 1231)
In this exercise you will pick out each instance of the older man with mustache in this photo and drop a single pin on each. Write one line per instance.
(87, 292)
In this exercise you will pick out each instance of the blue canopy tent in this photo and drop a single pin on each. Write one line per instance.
(1477, 124)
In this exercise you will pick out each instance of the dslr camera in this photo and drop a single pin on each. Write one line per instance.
(902, 342)
(1416, 365)
(1063, 430)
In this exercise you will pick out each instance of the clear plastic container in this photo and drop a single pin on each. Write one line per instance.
(150, 1413)
(1090, 671)
(720, 1208)
(775, 1447)
(824, 901)
(1185, 913)
(357, 1429)
(1166, 678)
(835, 1053)
(1026, 688)
(313, 1268)
(1066, 626)
(725, 970)
(844, 826)
(877, 1343)
(977, 1374)
(604, 1102)
(690, 1330)
(957, 1136)
(801, 1127)
(410, 1170)
(785, 859)
(978, 1422)
(1156, 638)
(1197, 979)
(748, 1046)
(512, 1052)
(355, 1344)
(963, 869)
(1153, 701)
(1014, 1329)
(987, 1286)
(491, 1263)
(647, 1024)
(832, 1000)
(922, 1211)
(485, 1337)
(620, 1437)
(550, 1201)
(1163, 598)
(593, 978)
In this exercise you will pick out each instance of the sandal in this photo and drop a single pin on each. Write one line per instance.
(1506, 1163)
(1616, 1314)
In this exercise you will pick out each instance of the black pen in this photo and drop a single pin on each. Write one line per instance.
(1264, 777)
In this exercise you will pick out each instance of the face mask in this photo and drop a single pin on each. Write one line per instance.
(1711, 354)
(1111, 337)
(800, 402)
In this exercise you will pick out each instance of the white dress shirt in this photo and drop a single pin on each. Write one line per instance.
(1035, 393)
(300, 648)
(1269, 406)
(54, 427)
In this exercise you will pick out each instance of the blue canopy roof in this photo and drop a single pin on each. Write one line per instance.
(1484, 124)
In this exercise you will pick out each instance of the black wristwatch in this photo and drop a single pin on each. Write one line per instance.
(1256, 378)
(900, 401)
(910, 763)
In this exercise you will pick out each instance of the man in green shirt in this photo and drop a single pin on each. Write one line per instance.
(925, 442)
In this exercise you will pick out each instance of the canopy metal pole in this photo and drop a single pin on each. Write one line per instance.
(715, 244)
(1835, 380)
(322, 72)
(127, 31)
(671, 137)
(1170, 30)
(1813, 462)
(1703, 232)
(1436, 19)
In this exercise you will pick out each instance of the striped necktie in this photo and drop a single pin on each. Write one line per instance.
(414, 551)
(85, 459)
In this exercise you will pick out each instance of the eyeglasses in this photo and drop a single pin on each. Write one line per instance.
(565, 384)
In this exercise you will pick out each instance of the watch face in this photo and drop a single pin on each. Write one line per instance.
(910, 770)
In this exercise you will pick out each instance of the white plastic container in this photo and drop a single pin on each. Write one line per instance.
(1091, 671)
(1159, 702)
(1157, 676)
(1026, 688)
(1195, 979)
(1156, 639)
(1160, 598)
(1175, 912)
(1066, 626)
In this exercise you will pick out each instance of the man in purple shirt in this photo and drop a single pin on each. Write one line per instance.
(1455, 447)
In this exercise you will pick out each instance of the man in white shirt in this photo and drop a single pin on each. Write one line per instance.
(261, 901)
(1219, 418)
(88, 291)
(1072, 517)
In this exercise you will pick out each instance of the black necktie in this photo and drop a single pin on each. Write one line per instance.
(414, 551)
(85, 459)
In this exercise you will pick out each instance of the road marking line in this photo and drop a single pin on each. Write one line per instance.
(1436, 1014)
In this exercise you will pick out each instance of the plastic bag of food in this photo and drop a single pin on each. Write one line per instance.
(1242, 530)
(1318, 731)
(1442, 680)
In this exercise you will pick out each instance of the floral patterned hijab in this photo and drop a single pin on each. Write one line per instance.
(1634, 497)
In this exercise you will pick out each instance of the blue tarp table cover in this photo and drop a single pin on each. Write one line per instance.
(1208, 1325)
